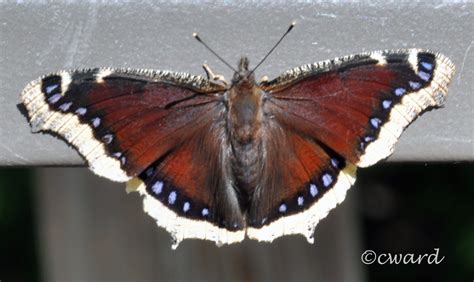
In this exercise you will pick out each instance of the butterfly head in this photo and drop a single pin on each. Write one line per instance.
(243, 77)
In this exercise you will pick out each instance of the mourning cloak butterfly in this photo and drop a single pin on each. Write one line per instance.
(220, 161)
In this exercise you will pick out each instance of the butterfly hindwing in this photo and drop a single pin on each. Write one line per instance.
(193, 180)
(299, 186)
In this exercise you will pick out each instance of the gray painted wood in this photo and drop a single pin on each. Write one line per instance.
(39, 38)
(91, 230)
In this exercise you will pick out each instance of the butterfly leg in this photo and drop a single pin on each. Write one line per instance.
(214, 77)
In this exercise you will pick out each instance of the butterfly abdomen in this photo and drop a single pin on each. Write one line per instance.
(245, 129)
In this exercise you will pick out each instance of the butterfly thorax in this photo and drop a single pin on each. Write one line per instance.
(244, 124)
(245, 105)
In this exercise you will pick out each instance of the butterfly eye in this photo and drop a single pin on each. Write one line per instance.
(237, 77)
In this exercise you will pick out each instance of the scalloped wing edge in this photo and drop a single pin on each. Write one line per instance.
(305, 222)
(179, 227)
(409, 108)
(67, 125)
(403, 113)
(80, 135)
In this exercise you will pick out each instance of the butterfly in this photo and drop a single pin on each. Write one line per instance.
(221, 161)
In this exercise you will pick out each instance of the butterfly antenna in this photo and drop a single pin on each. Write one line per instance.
(271, 50)
(195, 35)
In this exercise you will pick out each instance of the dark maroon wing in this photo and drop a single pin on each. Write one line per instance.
(161, 130)
(331, 117)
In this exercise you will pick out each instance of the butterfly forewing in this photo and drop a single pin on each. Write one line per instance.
(356, 101)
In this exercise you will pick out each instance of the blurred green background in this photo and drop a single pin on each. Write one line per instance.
(402, 208)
